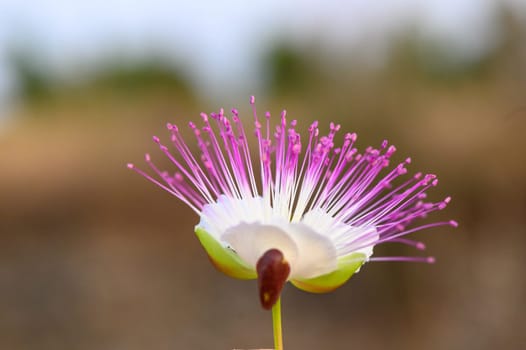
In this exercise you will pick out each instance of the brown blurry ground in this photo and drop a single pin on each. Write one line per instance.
(94, 257)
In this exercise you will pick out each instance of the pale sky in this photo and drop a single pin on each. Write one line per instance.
(218, 42)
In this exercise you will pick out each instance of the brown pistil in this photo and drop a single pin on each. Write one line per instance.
(273, 271)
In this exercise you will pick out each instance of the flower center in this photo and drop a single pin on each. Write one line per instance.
(308, 253)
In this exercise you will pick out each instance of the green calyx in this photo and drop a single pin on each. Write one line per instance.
(228, 262)
(224, 259)
(347, 266)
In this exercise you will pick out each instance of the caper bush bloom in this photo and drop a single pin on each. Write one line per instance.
(323, 206)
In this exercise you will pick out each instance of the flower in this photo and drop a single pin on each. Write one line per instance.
(304, 211)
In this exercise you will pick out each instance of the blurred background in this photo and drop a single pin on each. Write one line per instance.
(94, 257)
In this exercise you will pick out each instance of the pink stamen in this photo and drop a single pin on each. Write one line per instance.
(426, 259)
(295, 176)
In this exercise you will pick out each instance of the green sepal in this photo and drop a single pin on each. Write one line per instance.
(224, 259)
(347, 266)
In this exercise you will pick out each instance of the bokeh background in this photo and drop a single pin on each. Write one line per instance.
(94, 257)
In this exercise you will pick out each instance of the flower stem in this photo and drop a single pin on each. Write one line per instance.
(276, 325)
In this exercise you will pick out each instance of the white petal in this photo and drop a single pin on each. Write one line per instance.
(308, 253)
(251, 241)
(227, 212)
(342, 235)
(317, 254)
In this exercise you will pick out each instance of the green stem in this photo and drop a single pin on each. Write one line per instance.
(276, 325)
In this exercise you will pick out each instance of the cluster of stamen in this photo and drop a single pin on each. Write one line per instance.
(297, 177)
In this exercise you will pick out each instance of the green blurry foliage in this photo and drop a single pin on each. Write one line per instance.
(115, 78)
(435, 63)
(138, 77)
(33, 82)
(287, 69)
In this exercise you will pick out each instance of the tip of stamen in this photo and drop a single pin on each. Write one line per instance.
(401, 170)
(431, 260)
(130, 166)
(252, 99)
(296, 149)
(420, 246)
(147, 157)
(156, 139)
(334, 127)
(444, 203)
(427, 178)
(350, 137)
(453, 223)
